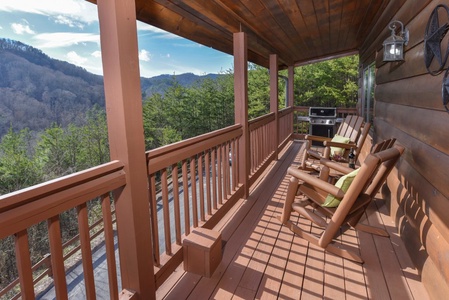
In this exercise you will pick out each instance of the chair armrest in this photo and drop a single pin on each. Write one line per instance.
(314, 153)
(316, 182)
(340, 145)
(335, 166)
(317, 138)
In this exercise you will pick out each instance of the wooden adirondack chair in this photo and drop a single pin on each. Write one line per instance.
(353, 128)
(327, 165)
(370, 177)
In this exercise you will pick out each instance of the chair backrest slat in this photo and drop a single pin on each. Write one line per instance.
(350, 128)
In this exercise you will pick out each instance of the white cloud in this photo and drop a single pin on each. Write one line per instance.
(65, 20)
(144, 55)
(74, 58)
(64, 39)
(18, 28)
(79, 10)
(96, 54)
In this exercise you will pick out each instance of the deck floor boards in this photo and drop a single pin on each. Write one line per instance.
(264, 260)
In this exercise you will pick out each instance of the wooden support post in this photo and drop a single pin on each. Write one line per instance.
(241, 106)
(126, 140)
(291, 93)
(274, 98)
(291, 86)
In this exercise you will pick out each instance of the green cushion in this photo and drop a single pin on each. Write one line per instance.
(343, 183)
(339, 139)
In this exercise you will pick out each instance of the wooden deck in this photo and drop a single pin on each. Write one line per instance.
(264, 260)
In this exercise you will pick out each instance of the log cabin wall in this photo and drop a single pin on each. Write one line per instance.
(408, 106)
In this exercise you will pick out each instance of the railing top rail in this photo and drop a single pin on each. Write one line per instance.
(285, 111)
(73, 191)
(339, 109)
(167, 155)
(260, 121)
(29, 194)
(301, 108)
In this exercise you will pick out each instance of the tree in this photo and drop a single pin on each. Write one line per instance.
(331, 83)
(258, 91)
(18, 167)
(95, 138)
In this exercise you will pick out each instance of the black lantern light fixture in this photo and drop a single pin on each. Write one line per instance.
(394, 44)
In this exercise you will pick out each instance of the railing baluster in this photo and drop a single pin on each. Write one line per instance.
(185, 187)
(237, 161)
(227, 171)
(193, 188)
(258, 148)
(154, 220)
(176, 205)
(219, 175)
(252, 150)
(57, 260)
(214, 179)
(261, 145)
(166, 212)
(86, 251)
(24, 265)
(208, 183)
(201, 185)
(109, 243)
(224, 164)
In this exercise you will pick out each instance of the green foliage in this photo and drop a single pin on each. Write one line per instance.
(331, 83)
(18, 167)
(59, 151)
(258, 91)
(95, 138)
(184, 112)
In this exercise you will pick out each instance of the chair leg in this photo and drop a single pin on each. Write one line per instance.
(345, 253)
(307, 213)
(332, 247)
(305, 147)
(290, 198)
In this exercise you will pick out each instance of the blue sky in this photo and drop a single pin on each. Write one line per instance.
(68, 30)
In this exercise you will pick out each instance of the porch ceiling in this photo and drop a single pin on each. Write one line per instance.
(298, 31)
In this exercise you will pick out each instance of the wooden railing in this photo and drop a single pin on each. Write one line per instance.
(21, 210)
(262, 140)
(71, 248)
(199, 180)
(192, 184)
(285, 125)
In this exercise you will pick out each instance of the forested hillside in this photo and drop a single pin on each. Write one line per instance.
(37, 91)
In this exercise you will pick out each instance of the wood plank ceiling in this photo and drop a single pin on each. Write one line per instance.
(298, 31)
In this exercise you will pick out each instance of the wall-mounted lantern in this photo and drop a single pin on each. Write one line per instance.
(394, 44)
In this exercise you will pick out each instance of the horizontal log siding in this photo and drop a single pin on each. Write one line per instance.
(409, 107)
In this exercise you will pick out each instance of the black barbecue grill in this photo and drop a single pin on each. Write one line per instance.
(323, 121)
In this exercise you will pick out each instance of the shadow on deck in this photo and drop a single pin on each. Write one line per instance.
(262, 259)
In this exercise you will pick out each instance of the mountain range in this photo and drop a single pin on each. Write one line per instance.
(37, 91)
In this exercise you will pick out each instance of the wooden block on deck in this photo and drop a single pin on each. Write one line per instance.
(202, 251)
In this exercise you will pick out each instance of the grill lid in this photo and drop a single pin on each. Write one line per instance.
(323, 112)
